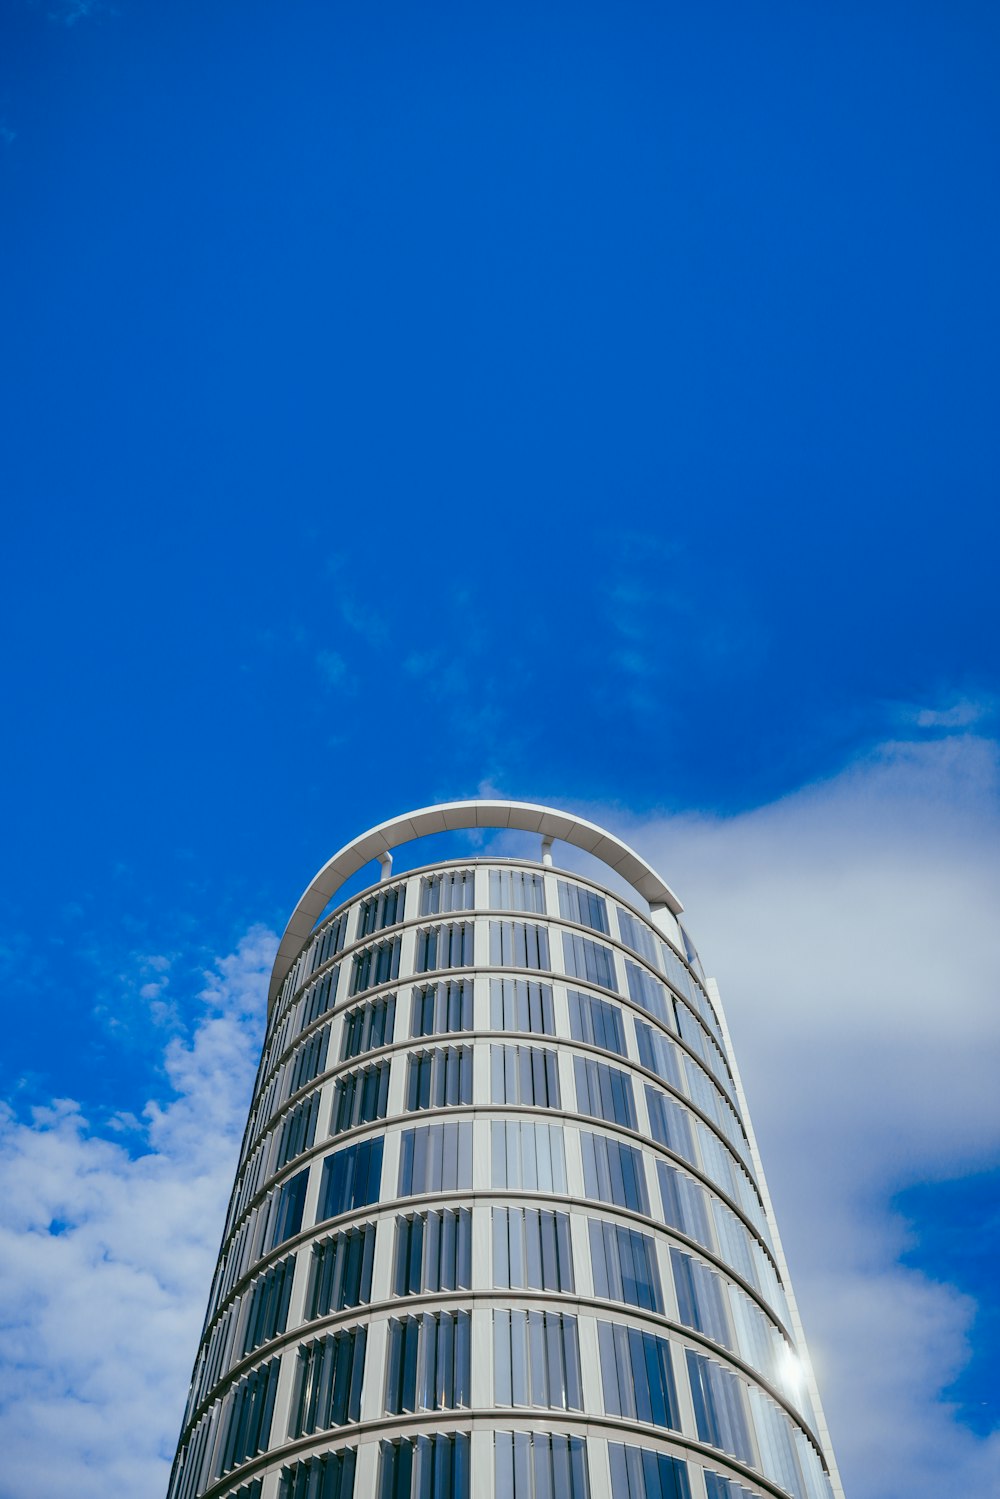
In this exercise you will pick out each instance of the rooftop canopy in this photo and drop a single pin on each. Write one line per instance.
(524, 817)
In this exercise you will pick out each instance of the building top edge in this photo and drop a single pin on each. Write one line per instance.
(526, 817)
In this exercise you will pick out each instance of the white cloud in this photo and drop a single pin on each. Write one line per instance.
(106, 1258)
(852, 927)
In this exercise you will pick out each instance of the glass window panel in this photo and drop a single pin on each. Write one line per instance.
(285, 1217)
(624, 1265)
(536, 1360)
(613, 1172)
(528, 1155)
(585, 907)
(503, 1388)
(670, 1124)
(307, 1061)
(659, 1054)
(701, 1298)
(532, 1160)
(647, 992)
(637, 1375)
(520, 1368)
(734, 1242)
(447, 946)
(503, 1467)
(297, 1132)
(521, 1005)
(518, 944)
(720, 1406)
(368, 1026)
(351, 1178)
(532, 1249)
(501, 1248)
(438, 1008)
(360, 1097)
(328, 1382)
(329, 1476)
(267, 1305)
(384, 908)
(639, 1473)
(596, 1021)
(716, 1162)
(376, 964)
(341, 1271)
(318, 998)
(450, 890)
(435, 1158)
(543, 1263)
(525, 1075)
(604, 1091)
(637, 935)
(329, 940)
(541, 1452)
(423, 1467)
(591, 961)
(440, 1248)
(685, 1204)
(433, 1251)
(439, 1078)
(428, 1362)
(517, 890)
(676, 971)
(245, 1422)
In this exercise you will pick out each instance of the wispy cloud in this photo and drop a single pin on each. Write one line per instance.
(332, 668)
(655, 613)
(106, 1255)
(70, 12)
(962, 714)
(364, 621)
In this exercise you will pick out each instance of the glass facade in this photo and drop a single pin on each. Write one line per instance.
(497, 1180)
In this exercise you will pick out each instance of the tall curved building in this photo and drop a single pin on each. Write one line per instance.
(499, 1228)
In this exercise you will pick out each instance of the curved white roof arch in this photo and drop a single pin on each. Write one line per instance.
(524, 817)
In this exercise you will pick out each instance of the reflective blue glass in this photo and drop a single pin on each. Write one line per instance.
(329, 1476)
(341, 1271)
(585, 907)
(604, 1092)
(640, 1473)
(591, 961)
(351, 1178)
(720, 1406)
(596, 1021)
(624, 1265)
(521, 1005)
(613, 1172)
(637, 1375)
(536, 1360)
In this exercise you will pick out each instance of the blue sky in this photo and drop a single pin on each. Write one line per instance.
(590, 403)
